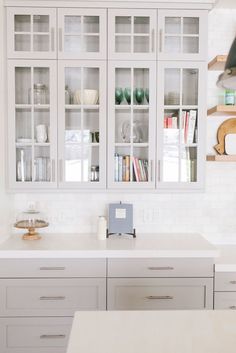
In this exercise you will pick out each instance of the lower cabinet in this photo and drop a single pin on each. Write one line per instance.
(225, 291)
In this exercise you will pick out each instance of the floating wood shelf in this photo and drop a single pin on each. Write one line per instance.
(218, 63)
(222, 109)
(221, 158)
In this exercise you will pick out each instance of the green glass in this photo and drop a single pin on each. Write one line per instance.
(119, 95)
(127, 94)
(147, 94)
(139, 95)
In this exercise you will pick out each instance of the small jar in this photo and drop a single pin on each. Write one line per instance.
(229, 97)
(40, 94)
(94, 173)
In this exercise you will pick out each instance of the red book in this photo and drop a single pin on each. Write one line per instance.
(169, 122)
(165, 122)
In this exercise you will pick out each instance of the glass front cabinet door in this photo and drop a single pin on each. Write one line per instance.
(182, 35)
(32, 124)
(82, 33)
(132, 34)
(31, 33)
(82, 124)
(180, 129)
(131, 136)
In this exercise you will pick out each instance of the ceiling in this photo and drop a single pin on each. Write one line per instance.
(228, 4)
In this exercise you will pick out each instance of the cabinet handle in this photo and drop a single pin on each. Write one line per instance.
(60, 38)
(61, 169)
(232, 307)
(45, 268)
(152, 39)
(53, 171)
(52, 336)
(165, 268)
(160, 40)
(151, 171)
(159, 170)
(159, 297)
(52, 40)
(52, 298)
(232, 282)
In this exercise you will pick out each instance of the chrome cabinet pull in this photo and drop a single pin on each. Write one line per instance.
(232, 282)
(48, 268)
(160, 40)
(164, 268)
(52, 40)
(52, 336)
(153, 36)
(159, 297)
(60, 38)
(151, 172)
(53, 171)
(232, 307)
(53, 298)
(61, 170)
(159, 170)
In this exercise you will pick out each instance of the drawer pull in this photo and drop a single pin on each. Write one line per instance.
(232, 307)
(52, 298)
(52, 268)
(52, 336)
(232, 282)
(165, 268)
(159, 297)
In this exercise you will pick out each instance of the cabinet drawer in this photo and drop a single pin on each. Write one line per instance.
(51, 297)
(34, 335)
(225, 300)
(225, 281)
(158, 294)
(52, 268)
(160, 267)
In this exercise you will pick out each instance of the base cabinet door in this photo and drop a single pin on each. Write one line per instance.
(225, 300)
(159, 293)
(34, 335)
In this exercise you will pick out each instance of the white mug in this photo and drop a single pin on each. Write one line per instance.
(41, 133)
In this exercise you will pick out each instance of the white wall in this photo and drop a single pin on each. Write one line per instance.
(211, 213)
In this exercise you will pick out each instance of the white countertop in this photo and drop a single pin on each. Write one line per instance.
(153, 332)
(85, 246)
(226, 262)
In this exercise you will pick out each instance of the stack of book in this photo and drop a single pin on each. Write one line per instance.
(42, 169)
(123, 165)
(189, 128)
(170, 122)
(189, 166)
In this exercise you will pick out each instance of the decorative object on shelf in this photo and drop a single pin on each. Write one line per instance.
(67, 95)
(230, 144)
(120, 219)
(40, 94)
(31, 220)
(227, 79)
(24, 167)
(94, 135)
(227, 127)
(137, 131)
(127, 94)
(87, 96)
(94, 173)
(41, 133)
(229, 97)
(139, 95)
(102, 228)
(119, 95)
(172, 98)
(147, 94)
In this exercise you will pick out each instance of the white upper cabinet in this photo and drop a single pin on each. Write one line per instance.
(82, 33)
(182, 35)
(132, 34)
(31, 33)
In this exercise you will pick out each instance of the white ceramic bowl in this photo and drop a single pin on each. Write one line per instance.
(90, 96)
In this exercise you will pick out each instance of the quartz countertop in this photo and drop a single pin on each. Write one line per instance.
(88, 246)
(153, 331)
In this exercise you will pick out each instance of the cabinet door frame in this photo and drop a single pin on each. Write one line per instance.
(202, 54)
(11, 125)
(102, 14)
(152, 14)
(62, 64)
(202, 112)
(11, 53)
(112, 65)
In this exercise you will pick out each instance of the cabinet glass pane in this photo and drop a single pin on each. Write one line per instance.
(22, 42)
(41, 42)
(41, 86)
(23, 163)
(22, 23)
(73, 163)
(172, 86)
(190, 86)
(123, 44)
(73, 43)
(91, 43)
(72, 24)
(122, 125)
(91, 24)
(173, 25)
(140, 164)
(172, 44)
(140, 126)
(73, 126)
(123, 91)
(41, 23)
(123, 164)
(42, 125)
(123, 24)
(170, 163)
(141, 44)
(91, 130)
(189, 164)
(141, 86)
(23, 131)
(171, 126)
(191, 45)
(73, 84)
(191, 25)
(42, 165)
(22, 84)
(141, 24)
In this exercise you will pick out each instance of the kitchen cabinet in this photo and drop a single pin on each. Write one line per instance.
(225, 290)
(39, 298)
(154, 284)
(120, 97)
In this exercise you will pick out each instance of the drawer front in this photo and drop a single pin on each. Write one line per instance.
(34, 335)
(159, 294)
(52, 268)
(225, 281)
(160, 267)
(51, 297)
(225, 300)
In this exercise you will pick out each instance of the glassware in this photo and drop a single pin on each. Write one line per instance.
(229, 97)
(94, 173)
(147, 94)
(40, 94)
(137, 131)
(127, 94)
(119, 95)
(139, 95)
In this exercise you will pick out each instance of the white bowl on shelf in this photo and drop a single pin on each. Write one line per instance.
(90, 97)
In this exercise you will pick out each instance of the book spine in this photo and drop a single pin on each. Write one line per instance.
(138, 169)
(169, 122)
(135, 169)
(127, 168)
(186, 126)
(120, 165)
(123, 168)
(140, 162)
(174, 122)
(191, 125)
(165, 122)
(116, 162)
